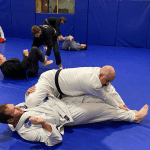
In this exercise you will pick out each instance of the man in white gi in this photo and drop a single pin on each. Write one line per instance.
(78, 81)
(48, 118)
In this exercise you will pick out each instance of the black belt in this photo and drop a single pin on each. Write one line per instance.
(57, 84)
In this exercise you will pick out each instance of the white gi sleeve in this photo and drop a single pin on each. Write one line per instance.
(108, 94)
(113, 93)
(105, 96)
(38, 134)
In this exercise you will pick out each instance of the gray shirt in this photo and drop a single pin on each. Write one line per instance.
(71, 45)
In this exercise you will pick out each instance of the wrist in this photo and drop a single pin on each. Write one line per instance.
(44, 124)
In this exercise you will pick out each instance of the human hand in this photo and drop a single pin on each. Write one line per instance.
(124, 107)
(45, 47)
(35, 120)
(31, 90)
(61, 38)
(70, 37)
(26, 52)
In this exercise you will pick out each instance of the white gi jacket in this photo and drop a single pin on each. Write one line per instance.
(80, 110)
(53, 112)
(74, 82)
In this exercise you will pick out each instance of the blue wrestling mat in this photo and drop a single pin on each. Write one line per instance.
(131, 82)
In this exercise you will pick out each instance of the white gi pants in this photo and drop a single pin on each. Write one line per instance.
(92, 109)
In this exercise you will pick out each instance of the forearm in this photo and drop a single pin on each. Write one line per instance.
(105, 96)
(114, 94)
(66, 38)
(35, 42)
(57, 29)
(60, 38)
(46, 126)
(24, 62)
(39, 134)
(35, 98)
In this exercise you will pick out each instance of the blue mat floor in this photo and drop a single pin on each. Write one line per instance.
(132, 82)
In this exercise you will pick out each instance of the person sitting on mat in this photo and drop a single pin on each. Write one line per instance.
(45, 122)
(28, 67)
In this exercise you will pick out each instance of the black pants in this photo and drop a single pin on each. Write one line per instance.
(56, 51)
(35, 56)
(40, 41)
(55, 43)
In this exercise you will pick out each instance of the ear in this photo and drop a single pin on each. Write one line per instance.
(10, 121)
(101, 74)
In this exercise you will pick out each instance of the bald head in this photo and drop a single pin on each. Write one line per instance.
(107, 74)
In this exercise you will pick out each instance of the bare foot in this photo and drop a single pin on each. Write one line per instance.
(60, 66)
(142, 113)
(48, 63)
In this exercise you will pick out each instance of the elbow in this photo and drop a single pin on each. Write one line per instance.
(30, 101)
(54, 142)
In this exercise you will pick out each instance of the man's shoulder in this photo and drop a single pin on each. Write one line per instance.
(84, 69)
(51, 19)
(13, 60)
